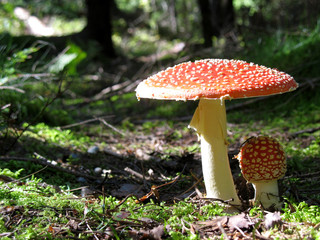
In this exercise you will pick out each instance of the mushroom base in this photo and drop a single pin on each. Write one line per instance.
(209, 121)
(267, 194)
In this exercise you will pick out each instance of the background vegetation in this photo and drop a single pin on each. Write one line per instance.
(77, 148)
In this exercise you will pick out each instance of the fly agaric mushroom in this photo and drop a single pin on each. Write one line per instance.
(212, 81)
(263, 162)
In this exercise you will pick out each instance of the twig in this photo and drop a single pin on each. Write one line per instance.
(47, 163)
(169, 183)
(184, 228)
(113, 88)
(224, 234)
(83, 122)
(18, 180)
(5, 106)
(123, 200)
(112, 91)
(239, 230)
(95, 236)
(12, 88)
(174, 181)
(134, 173)
(101, 119)
(49, 102)
(7, 234)
(309, 130)
(306, 175)
(114, 154)
(119, 88)
(110, 126)
(195, 184)
(34, 75)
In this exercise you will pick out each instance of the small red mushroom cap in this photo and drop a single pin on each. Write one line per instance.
(262, 159)
(215, 78)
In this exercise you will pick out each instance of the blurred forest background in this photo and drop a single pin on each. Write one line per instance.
(68, 71)
(103, 47)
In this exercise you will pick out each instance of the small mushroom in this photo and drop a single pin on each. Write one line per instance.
(262, 162)
(212, 81)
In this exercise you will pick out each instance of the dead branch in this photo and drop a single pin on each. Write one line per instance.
(114, 154)
(5, 106)
(193, 186)
(110, 126)
(116, 87)
(309, 130)
(101, 119)
(47, 104)
(12, 89)
(306, 175)
(134, 173)
(83, 122)
(46, 162)
(107, 93)
(119, 88)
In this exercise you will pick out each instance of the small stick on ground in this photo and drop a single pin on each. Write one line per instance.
(309, 130)
(110, 126)
(47, 163)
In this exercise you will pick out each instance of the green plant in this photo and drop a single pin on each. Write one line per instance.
(55, 135)
(9, 173)
(301, 212)
(10, 66)
(68, 60)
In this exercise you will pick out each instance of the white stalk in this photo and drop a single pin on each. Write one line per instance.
(209, 121)
(267, 194)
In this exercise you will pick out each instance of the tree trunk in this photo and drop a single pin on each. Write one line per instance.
(208, 22)
(227, 16)
(99, 26)
(172, 16)
(216, 15)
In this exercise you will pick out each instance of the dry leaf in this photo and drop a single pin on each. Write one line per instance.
(11, 209)
(73, 224)
(154, 234)
(122, 215)
(272, 219)
(240, 221)
(50, 229)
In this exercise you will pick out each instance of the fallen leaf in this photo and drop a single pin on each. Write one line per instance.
(122, 215)
(50, 229)
(240, 221)
(154, 234)
(272, 219)
(147, 220)
(73, 224)
(222, 220)
(157, 232)
(11, 209)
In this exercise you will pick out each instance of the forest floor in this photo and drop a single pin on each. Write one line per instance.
(128, 169)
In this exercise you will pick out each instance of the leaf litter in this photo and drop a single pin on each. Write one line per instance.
(145, 173)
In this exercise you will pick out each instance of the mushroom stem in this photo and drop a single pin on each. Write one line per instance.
(209, 121)
(267, 194)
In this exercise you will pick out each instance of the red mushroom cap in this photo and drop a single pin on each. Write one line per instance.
(262, 159)
(215, 78)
